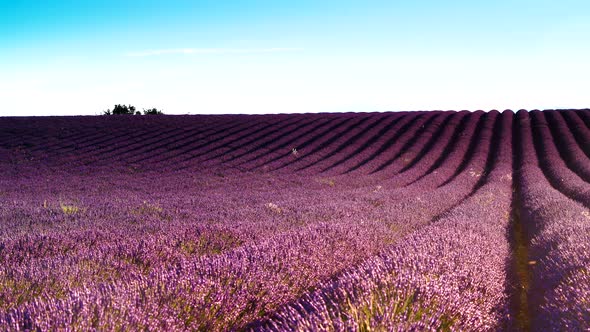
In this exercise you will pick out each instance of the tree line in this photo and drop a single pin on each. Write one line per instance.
(130, 110)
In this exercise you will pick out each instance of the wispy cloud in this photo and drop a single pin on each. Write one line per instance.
(212, 51)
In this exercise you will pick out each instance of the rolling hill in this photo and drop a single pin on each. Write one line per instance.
(437, 220)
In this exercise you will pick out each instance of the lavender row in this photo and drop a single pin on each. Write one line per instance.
(337, 144)
(201, 135)
(284, 146)
(314, 159)
(554, 165)
(570, 149)
(558, 230)
(230, 142)
(321, 141)
(368, 144)
(580, 131)
(394, 143)
(411, 149)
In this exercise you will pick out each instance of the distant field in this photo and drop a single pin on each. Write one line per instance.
(448, 220)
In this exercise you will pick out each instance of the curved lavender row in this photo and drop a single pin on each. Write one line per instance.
(263, 142)
(61, 136)
(412, 220)
(449, 275)
(74, 153)
(162, 151)
(570, 151)
(153, 143)
(395, 143)
(51, 133)
(67, 146)
(267, 144)
(106, 136)
(59, 145)
(210, 144)
(313, 149)
(558, 229)
(108, 150)
(241, 142)
(82, 139)
(373, 140)
(113, 144)
(450, 162)
(455, 162)
(584, 115)
(464, 182)
(10, 138)
(389, 191)
(579, 129)
(221, 142)
(348, 140)
(413, 206)
(443, 133)
(473, 147)
(311, 142)
(283, 148)
(138, 134)
(240, 147)
(221, 132)
(111, 136)
(447, 160)
(555, 168)
(438, 151)
(412, 148)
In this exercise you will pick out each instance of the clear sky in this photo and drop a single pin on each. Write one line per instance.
(81, 57)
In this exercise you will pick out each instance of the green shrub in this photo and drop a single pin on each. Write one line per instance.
(130, 110)
(152, 111)
(122, 110)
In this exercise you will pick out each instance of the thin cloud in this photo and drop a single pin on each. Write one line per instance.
(189, 51)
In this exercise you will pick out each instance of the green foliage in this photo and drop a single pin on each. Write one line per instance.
(152, 111)
(122, 110)
(69, 209)
(130, 110)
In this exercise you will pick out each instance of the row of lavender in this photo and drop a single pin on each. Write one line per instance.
(555, 207)
(249, 255)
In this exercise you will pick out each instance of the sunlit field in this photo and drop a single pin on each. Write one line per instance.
(458, 221)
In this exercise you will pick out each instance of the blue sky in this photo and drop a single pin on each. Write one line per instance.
(82, 57)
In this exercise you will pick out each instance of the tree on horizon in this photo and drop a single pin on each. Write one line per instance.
(131, 110)
(152, 111)
(122, 110)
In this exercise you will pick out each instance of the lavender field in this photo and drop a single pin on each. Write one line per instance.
(410, 221)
